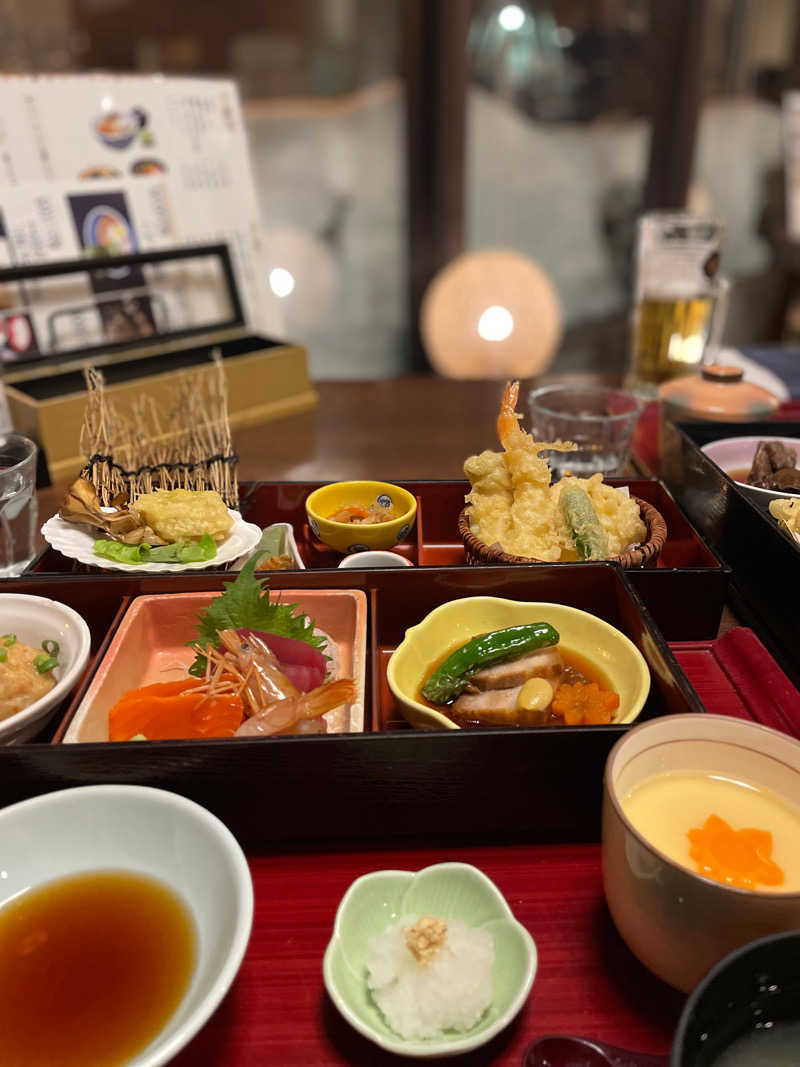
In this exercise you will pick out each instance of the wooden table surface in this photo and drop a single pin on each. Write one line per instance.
(400, 428)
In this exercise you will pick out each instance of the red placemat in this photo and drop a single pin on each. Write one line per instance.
(587, 983)
(736, 675)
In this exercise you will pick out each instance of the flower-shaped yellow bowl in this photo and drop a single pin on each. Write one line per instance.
(448, 891)
(456, 622)
(358, 537)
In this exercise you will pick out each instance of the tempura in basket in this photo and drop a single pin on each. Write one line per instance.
(513, 503)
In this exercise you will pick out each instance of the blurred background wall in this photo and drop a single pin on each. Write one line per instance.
(353, 110)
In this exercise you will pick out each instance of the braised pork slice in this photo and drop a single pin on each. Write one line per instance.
(770, 457)
(787, 480)
(544, 663)
(761, 469)
(489, 704)
(780, 455)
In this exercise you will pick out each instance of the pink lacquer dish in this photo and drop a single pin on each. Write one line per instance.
(151, 645)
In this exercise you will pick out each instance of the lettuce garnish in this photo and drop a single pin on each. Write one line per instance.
(180, 552)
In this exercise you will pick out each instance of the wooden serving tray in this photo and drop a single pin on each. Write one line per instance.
(687, 570)
(381, 785)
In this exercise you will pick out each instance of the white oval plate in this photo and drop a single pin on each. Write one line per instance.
(76, 541)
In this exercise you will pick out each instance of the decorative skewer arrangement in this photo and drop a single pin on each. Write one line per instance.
(183, 444)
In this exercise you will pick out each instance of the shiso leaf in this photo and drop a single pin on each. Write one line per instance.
(245, 604)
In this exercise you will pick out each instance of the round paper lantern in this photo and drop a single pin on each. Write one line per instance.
(491, 314)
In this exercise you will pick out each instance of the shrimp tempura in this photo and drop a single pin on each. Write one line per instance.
(510, 497)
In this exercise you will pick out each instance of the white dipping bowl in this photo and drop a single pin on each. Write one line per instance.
(150, 832)
(34, 619)
(376, 558)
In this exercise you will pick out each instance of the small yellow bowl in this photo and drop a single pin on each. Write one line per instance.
(354, 537)
(458, 621)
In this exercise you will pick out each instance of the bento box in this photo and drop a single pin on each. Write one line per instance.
(687, 569)
(764, 559)
(390, 782)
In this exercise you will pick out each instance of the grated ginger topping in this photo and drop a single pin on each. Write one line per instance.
(426, 937)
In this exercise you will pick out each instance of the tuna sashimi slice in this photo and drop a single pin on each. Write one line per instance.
(302, 664)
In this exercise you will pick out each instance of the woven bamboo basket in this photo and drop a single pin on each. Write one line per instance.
(643, 555)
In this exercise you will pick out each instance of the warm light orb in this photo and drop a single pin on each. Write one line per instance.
(281, 281)
(511, 17)
(496, 323)
(492, 313)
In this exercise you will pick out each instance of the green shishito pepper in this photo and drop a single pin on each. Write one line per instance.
(581, 518)
(451, 677)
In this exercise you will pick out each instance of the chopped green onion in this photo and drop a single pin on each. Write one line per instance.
(50, 647)
(9, 640)
(3, 655)
(44, 663)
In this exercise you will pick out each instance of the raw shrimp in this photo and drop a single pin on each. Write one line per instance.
(247, 667)
(264, 681)
(291, 715)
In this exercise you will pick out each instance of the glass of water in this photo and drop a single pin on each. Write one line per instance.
(598, 420)
(19, 511)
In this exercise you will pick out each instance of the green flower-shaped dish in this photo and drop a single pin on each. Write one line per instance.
(448, 891)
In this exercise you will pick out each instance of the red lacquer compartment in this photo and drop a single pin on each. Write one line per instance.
(436, 542)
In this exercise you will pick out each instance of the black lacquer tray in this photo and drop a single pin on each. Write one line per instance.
(540, 783)
(764, 559)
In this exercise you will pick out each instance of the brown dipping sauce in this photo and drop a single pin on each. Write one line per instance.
(92, 967)
(577, 668)
(740, 474)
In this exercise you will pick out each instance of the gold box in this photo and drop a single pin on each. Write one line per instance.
(266, 380)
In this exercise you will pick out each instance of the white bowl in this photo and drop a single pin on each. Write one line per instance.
(34, 619)
(376, 558)
(736, 453)
(152, 832)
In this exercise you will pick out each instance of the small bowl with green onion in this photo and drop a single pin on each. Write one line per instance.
(44, 648)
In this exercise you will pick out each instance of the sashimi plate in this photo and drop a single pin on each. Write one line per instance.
(77, 542)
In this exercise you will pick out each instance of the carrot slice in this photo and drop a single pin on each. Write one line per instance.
(347, 514)
(584, 705)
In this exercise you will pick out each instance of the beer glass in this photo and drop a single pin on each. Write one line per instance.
(680, 301)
